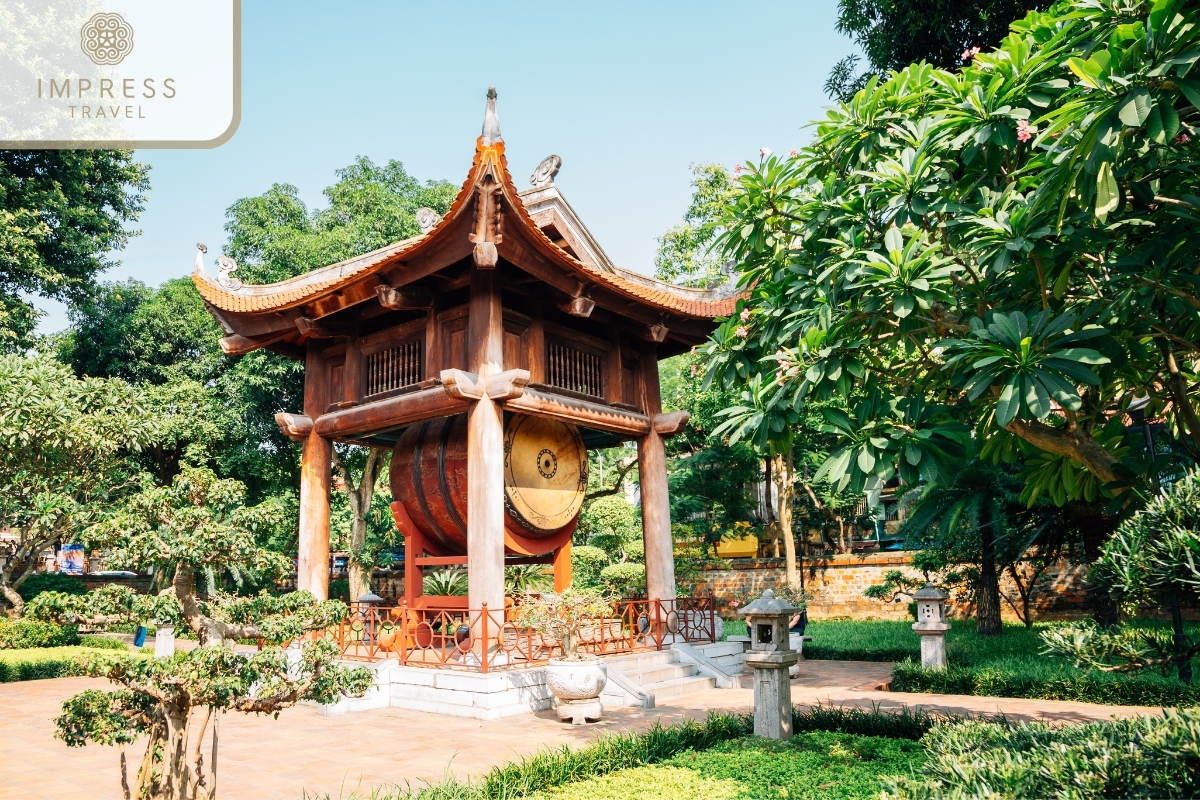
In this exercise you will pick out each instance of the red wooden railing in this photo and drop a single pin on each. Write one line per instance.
(484, 639)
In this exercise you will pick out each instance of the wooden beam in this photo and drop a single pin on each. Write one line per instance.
(580, 412)
(238, 345)
(296, 427)
(388, 414)
(341, 329)
(667, 425)
(413, 299)
(440, 561)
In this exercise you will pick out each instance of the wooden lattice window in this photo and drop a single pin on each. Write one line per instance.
(574, 370)
(395, 368)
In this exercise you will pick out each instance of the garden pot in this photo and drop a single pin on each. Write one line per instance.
(576, 686)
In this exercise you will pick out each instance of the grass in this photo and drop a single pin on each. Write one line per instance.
(552, 769)
(818, 764)
(1009, 665)
(38, 663)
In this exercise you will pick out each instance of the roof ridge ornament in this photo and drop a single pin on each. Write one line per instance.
(427, 219)
(491, 122)
(545, 172)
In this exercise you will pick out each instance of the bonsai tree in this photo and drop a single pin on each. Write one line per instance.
(196, 528)
(1151, 559)
(560, 617)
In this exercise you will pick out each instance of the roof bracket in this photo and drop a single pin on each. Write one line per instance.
(414, 298)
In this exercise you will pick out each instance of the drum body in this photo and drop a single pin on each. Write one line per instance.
(545, 478)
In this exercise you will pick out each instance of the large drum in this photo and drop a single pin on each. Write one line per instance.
(545, 478)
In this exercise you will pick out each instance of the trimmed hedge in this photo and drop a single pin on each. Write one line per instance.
(22, 634)
(47, 662)
(50, 582)
(1144, 757)
(1088, 686)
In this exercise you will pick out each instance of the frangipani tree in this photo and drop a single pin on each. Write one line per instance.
(1006, 251)
(198, 528)
(64, 446)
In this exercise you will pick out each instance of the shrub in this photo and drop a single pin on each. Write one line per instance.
(1140, 757)
(624, 580)
(586, 564)
(1044, 681)
(50, 582)
(339, 589)
(104, 643)
(450, 582)
(23, 634)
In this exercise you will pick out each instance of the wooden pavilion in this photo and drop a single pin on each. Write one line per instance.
(505, 310)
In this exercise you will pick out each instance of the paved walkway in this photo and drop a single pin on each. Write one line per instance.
(261, 758)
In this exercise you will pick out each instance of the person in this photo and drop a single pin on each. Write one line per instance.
(796, 626)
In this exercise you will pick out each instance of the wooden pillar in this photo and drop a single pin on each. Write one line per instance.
(562, 568)
(656, 502)
(312, 569)
(485, 449)
(414, 548)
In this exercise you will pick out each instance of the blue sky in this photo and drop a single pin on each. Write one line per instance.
(629, 94)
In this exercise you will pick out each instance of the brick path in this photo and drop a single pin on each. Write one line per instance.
(261, 758)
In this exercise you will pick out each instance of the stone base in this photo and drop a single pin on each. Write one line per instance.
(580, 711)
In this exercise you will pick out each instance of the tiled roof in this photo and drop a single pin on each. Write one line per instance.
(302, 289)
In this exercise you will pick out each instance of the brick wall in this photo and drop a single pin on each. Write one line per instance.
(837, 585)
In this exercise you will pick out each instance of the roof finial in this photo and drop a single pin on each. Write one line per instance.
(491, 123)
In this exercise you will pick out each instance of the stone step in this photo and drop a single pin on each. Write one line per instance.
(678, 686)
(637, 661)
(720, 649)
(659, 673)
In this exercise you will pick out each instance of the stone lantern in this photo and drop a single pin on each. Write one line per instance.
(771, 656)
(931, 626)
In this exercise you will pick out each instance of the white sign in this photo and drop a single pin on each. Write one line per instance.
(119, 73)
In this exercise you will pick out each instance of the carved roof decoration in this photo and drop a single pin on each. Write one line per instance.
(242, 308)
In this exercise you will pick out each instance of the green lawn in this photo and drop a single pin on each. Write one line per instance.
(44, 662)
(1009, 665)
(830, 766)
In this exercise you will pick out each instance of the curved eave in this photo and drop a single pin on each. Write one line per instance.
(304, 289)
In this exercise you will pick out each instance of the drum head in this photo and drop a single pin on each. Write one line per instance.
(545, 471)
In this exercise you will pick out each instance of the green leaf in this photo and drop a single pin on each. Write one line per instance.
(1108, 196)
(912, 453)
(1135, 108)
(893, 240)
(1009, 402)
(1190, 89)
(904, 306)
(866, 461)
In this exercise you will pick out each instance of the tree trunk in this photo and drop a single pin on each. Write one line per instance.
(1177, 385)
(16, 605)
(1180, 639)
(987, 594)
(360, 497)
(786, 497)
(1071, 442)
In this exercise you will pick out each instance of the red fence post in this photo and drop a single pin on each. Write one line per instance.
(483, 646)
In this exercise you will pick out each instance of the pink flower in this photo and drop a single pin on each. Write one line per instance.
(793, 153)
(1182, 138)
(1025, 132)
(695, 369)
(763, 153)
(742, 331)
(737, 170)
(969, 54)
(784, 364)
(745, 315)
